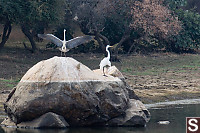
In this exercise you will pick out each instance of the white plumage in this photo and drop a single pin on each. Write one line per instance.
(65, 46)
(106, 61)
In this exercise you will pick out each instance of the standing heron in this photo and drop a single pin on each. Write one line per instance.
(65, 46)
(106, 61)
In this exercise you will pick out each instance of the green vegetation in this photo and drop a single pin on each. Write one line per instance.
(9, 83)
(189, 37)
(32, 16)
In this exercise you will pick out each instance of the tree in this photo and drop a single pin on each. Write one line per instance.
(90, 18)
(98, 17)
(6, 21)
(175, 4)
(135, 20)
(154, 21)
(33, 16)
(188, 38)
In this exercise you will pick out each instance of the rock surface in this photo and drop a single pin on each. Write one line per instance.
(113, 71)
(48, 120)
(82, 97)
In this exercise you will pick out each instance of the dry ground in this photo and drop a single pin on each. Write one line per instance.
(154, 77)
(164, 77)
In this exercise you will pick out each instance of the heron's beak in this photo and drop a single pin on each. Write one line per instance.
(110, 46)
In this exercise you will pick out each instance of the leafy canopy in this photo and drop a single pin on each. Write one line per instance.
(32, 12)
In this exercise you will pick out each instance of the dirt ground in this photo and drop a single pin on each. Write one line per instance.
(154, 77)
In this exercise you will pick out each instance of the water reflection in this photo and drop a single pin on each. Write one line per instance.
(176, 114)
(77, 130)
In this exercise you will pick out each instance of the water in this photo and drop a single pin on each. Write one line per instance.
(175, 114)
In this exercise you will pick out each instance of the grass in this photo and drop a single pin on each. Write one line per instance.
(139, 65)
(9, 83)
(9, 80)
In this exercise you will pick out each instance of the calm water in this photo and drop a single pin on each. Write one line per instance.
(176, 114)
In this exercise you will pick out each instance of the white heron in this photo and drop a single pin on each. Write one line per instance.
(65, 46)
(106, 61)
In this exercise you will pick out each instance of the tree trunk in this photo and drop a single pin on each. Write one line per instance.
(131, 47)
(124, 38)
(6, 33)
(135, 43)
(98, 38)
(172, 48)
(29, 35)
(100, 42)
(105, 39)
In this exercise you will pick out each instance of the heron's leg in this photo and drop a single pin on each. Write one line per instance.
(104, 72)
(61, 53)
(65, 54)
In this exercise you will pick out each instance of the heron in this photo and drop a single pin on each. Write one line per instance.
(65, 46)
(106, 61)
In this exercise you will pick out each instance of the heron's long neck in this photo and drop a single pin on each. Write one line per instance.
(64, 36)
(108, 53)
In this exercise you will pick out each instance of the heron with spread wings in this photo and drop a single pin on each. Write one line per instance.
(65, 46)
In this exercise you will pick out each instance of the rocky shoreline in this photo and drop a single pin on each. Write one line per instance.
(178, 102)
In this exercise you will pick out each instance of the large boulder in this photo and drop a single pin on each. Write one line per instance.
(70, 89)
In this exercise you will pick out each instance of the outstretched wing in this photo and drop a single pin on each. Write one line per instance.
(51, 38)
(78, 41)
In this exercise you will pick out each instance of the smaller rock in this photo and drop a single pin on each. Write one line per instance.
(48, 120)
(135, 115)
(137, 121)
(8, 123)
(112, 71)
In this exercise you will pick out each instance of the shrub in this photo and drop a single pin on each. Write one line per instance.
(189, 37)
